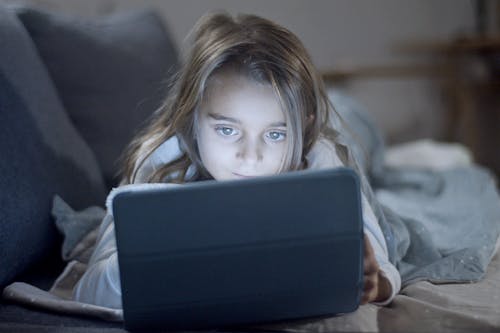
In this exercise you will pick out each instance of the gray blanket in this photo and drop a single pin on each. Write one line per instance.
(444, 223)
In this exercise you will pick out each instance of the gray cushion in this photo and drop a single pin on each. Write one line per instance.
(41, 154)
(362, 134)
(110, 73)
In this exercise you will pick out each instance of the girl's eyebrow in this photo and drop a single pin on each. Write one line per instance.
(217, 116)
(278, 124)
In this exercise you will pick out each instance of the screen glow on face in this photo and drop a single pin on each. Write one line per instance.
(241, 129)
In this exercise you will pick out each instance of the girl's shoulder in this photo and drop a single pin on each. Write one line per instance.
(323, 155)
(167, 152)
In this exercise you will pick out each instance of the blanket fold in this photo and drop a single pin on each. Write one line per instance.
(446, 223)
(31, 296)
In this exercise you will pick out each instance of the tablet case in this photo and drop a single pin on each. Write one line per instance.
(215, 254)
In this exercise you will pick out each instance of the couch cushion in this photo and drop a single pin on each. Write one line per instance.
(363, 135)
(41, 154)
(110, 73)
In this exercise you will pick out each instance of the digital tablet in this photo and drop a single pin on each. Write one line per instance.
(214, 254)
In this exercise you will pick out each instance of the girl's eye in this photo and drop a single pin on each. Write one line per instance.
(276, 136)
(226, 131)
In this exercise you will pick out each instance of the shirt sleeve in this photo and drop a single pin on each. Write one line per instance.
(323, 155)
(376, 237)
(100, 284)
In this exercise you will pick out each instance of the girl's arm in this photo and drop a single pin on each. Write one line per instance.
(100, 285)
(324, 155)
(381, 278)
(377, 287)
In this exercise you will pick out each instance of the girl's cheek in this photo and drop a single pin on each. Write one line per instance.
(223, 150)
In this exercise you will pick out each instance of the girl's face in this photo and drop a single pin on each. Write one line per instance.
(241, 129)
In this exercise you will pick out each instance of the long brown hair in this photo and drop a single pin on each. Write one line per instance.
(252, 46)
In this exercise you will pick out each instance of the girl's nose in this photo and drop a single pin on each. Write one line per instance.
(250, 151)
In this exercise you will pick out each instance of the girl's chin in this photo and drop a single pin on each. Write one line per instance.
(239, 175)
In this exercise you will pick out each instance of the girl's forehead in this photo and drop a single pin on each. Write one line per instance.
(229, 76)
(228, 86)
(238, 96)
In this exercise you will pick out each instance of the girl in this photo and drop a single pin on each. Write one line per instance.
(246, 102)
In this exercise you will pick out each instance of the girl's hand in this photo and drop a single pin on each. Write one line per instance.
(376, 286)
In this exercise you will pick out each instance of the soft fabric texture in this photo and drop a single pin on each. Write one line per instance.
(448, 222)
(427, 204)
(79, 229)
(75, 225)
(111, 73)
(41, 154)
(29, 295)
(361, 133)
(428, 154)
(358, 131)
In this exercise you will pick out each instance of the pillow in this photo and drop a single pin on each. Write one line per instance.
(41, 154)
(362, 134)
(110, 72)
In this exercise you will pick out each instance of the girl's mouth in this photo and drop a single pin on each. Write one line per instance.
(243, 176)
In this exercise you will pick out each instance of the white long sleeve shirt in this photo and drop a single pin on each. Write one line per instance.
(100, 284)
